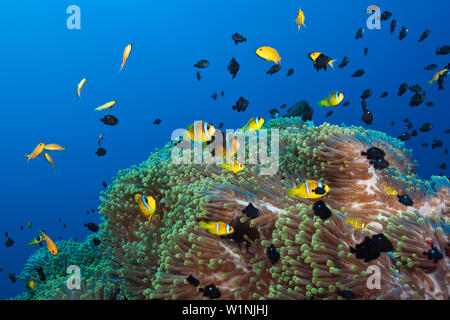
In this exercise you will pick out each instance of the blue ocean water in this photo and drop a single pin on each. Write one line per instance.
(43, 61)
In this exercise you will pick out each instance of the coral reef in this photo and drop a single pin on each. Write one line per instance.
(142, 260)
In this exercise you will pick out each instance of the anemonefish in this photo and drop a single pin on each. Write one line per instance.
(390, 190)
(36, 240)
(32, 284)
(436, 76)
(358, 224)
(146, 205)
(233, 167)
(54, 147)
(50, 245)
(311, 189)
(315, 55)
(126, 54)
(253, 124)
(36, 152)
(333, 99)
(217, 228)
(201, 131)
(300, 20)
(229, 147)
(106, 106)
(49, 159)
(269, 54)
(80, 86)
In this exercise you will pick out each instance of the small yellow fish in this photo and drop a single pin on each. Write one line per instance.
(29, 225)
(80, 86)
(54, 147)
(311, 189)
(36, 152)
(50, 244)
(32, 284)
(201, 131)
(391, 191)
(233, 167)
(333, 99)
(106, 106)
(126, 54)
(253, 124)
(49, 159)
(358, 224)
(217, 228)
(300, 20)
(269, 54)
(146, 205)
(436, 76)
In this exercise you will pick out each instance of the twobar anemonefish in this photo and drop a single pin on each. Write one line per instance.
(333, 99)
(300, 20)
(80, 86)
(126, 54)
(358, 224)
(311, 189)
(32, 284)
(200, 131)
(146, 205)
(36, 152)
(268, 54)
(217, 228)
(229, 147)
(233, 167)
(253, 124)
(106, 106)
(391, 191)
(436, 76)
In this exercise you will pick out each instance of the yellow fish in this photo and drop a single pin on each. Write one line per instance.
(36, 152)
(333, 99)
(80, 86)
(233, 167)
(315, 55)
(50, 244)
(49, 159)
(32, 285)
(217, 228)
(201, 131)
(253, 124)
(230, 146)
(311, 189)
(358, 224)
(300, 20)
(106, 106)
(146, 205)
(436, 76)
(54, 147)
(269, 54)
(29, 225)
(126, 54)
(391, 191)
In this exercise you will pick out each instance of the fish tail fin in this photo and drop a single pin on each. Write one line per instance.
(203, 225)
(331, 63)
(303, 24)
(321, 103)
(291, 192)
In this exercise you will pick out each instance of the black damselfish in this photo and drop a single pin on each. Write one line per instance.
(321, 210)
(251, 211)
(433, 254)
(211, 292)
(273, 254)
(374, 153)
(192, 280)
(91, 226)
(379, 164)
(405, 199)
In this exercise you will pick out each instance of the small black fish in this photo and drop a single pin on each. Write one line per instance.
(274, 113)
(444, 50)
(9, 242)
(322, 62)
(385, 15)
(192, 280)
(273, 254)
(404, 136)
(405, 199)
(290, 72)
(374, 153)
(21, 228)
(110, 120)
(96, 241)
(358, 73)
(321, 210)
(59, 220)
(346, 103)
(381, 243)
(392, 123)
(367, 117)
(441, 80)
(409, 125)
(406, 120)
(365, 250)
(403, 33)
(87, 212)
(436, 144)
(393, 25)
(426, 127)
(211, 292)
(416, 100)
(91, 226)
(329, 113)
(344, 62)
(157, 121)
(366, 50)
(431, 67)
(222, 93)
(274, 69)
(413, 133)
(402, 89)
(214, 96)
(283, 106)
(384, 94)
(92, 210)
(445, 151)
(415, 88)
(347, 294)
(12, 277)
(100, 152)
(366, 94)
(447, 131)
(41, 273)
(359, 33)
(198, 76)
(241, 104)
(251, 211)
(6, 234)
(233, 67)
(220, 125)
(238, 38)
(424, 35)
(1, 269)
(425, 144)
(104, 185)
(443, 165)
(433, 254)
(379, 164)
(202, 64)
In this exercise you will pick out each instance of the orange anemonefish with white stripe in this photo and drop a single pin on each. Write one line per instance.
(217, 228)
(311, 189)
(146, 205)
(200, 131)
